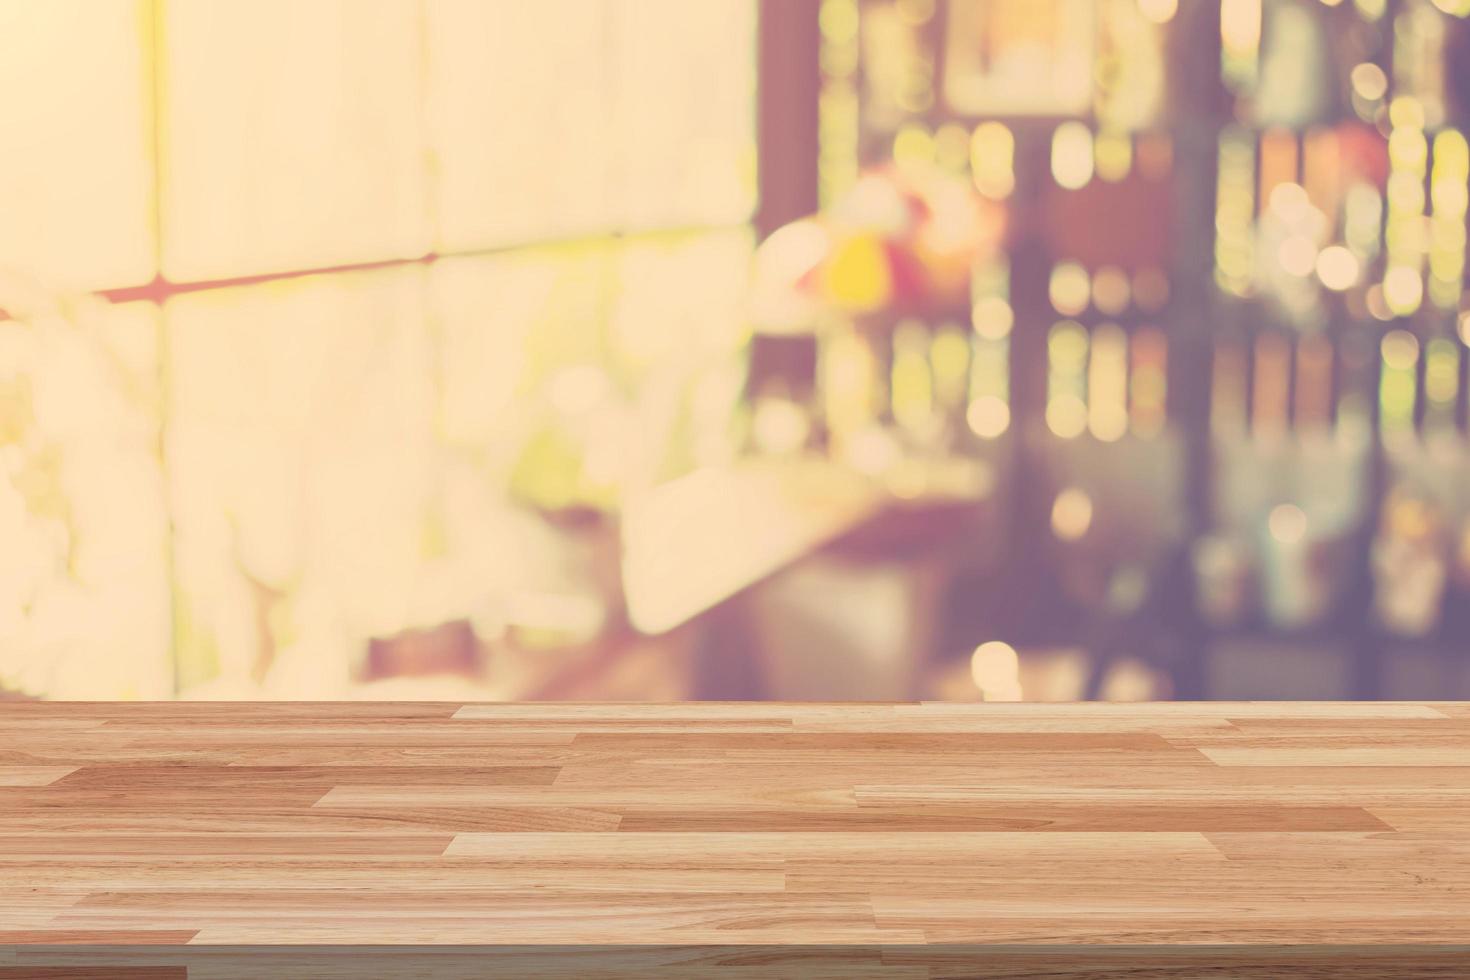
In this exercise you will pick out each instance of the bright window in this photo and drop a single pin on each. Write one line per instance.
(378, 257)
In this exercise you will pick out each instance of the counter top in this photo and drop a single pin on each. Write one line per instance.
(874, 825)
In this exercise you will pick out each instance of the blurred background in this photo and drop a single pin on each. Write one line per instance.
(798, 349)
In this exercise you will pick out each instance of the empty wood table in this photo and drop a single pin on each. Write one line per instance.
(735, 839)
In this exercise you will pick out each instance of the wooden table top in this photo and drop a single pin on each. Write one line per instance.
(218, 823)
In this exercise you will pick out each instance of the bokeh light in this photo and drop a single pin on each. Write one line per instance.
(1071, 514)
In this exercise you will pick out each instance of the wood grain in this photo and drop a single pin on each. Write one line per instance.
(738, 826)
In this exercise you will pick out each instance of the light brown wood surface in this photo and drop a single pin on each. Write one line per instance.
(735, 824)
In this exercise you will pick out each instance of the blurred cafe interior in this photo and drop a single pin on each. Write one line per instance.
(731, 349)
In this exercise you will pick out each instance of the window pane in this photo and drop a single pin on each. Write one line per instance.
(299, 454)
(676, 328)
(517, 110)
(76, 186)
(506, 323)
(315, 162)
(526, 393)
(573, 375)
(683, 92)
(679, 299)
(84, 599)
(524, 416)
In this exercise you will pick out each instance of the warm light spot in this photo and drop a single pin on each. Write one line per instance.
(839, 21)
(1369, 81)
(1287, 523)
(1297, 255)
(1363, 209)
(1066, 411)
(1289, 200)
(1400, 349)
(1337, 267)
(1272, 389)
(1235, 207)
(1449, 195)
(1158, 11)
(1403, 290)
(1444, 290)
(991, 317)
(1406, 111)
(1398, 382)
(1228, 381)
(1280, 148)
(1313, 386)
(1066, 416)
(1068, 288)
(1377, 305)
(1107, 383)
(989, 378)
(1108, 422)
(988, 416)
(949, 360)
(1071, 514)
(992, 149)
(779, 425)
(1410, 517)
(1110, 292)
(1447, 226)
(1155, 153)
(995, 668)
(911, 381)
(1071, 155)
(1463, 323)
(1148, 381)
(874, 451)
(952, 147)
(1451, 151)
(1150, 289)
(1067, 347)
(847, 379)
(914, 144)
(857, 274)
(1240, 26)
(1407, 150)
(1441, 372)
(907, 479)
(1131, 680)
(1114, 155)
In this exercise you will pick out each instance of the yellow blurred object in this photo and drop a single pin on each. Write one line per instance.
(857, 277)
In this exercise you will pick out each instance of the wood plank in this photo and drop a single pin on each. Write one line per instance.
(204, 846)
(853, 829)
(1449, 816)
(32, 775)
(983, 816)
(1441, 756)
(742, 962)
(189, 780)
